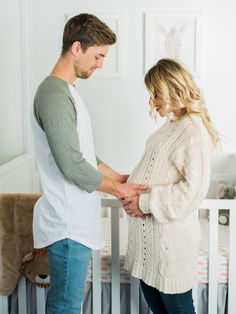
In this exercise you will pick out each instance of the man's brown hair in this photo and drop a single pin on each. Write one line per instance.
(88, 30)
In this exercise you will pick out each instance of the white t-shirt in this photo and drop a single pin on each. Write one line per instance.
(64, 210)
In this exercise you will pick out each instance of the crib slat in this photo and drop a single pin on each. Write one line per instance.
(115, 262)
(213, 260)
(195, 298)
(22, 299)
(40, 300)
(232, 263)
(3, 304)
(97, 302)
(134, 295)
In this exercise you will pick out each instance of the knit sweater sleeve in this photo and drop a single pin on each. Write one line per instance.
(177, 200)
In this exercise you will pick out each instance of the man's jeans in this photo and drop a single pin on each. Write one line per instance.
(68, 264)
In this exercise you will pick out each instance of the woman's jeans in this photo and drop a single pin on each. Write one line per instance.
(162, 303)
(68, 264)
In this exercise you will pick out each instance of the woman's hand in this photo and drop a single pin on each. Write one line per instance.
(131, 206)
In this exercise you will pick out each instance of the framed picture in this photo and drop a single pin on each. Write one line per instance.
(113, 62)
(173, 35)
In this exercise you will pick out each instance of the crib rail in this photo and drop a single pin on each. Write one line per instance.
(3, 305)
(212, 205)
(114, 205)
(22, 300)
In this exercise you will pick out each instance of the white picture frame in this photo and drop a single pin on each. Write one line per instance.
(173, 35)
(113, 62)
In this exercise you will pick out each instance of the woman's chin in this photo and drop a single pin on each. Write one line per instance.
(161, 114)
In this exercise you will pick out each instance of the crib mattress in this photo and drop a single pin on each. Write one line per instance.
(203, 256)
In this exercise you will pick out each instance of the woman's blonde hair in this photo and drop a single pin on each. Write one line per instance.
(170, 81)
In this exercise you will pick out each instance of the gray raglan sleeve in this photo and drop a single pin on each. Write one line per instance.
(57, 117)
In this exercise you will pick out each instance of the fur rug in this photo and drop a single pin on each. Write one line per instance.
(16, 239)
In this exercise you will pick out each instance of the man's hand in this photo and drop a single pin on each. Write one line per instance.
(120, 190)
(112, 174)
(127, 190)
(123, 178)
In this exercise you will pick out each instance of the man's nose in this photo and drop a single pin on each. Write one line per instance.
(100, 64)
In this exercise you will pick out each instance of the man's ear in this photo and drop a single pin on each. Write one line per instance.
(76, 48)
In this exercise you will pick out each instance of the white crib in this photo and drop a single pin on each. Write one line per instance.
(212, 205)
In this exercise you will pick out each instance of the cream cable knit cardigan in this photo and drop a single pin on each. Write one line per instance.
(162, 250)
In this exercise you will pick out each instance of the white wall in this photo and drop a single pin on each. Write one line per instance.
(17, 169)
(11, 122)
(119, 106)
(18, 176)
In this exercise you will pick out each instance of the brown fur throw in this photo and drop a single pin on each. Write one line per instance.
(16, 239)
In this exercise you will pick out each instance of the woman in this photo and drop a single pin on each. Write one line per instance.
(163, 247)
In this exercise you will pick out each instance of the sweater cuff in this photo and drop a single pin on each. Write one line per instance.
(143, 203)
(159, 202)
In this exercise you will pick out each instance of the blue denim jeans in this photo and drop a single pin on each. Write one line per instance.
(162, 303)
(68, 265)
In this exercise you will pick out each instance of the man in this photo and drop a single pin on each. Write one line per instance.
(67, 217)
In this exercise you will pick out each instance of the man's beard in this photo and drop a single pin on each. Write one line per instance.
(83, 74)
